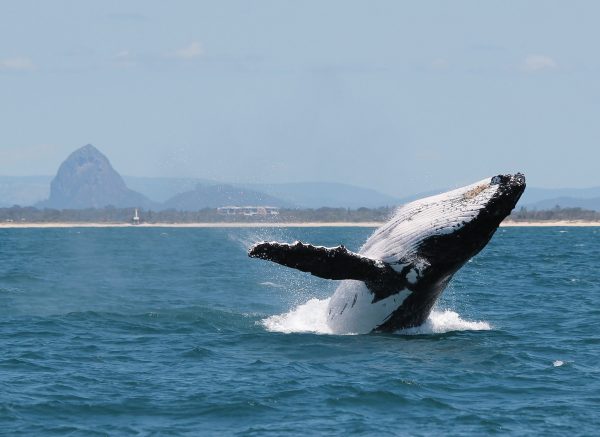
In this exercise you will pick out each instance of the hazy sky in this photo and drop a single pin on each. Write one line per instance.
(394, 95)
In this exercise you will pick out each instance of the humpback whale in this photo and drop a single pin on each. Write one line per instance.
(398, 274)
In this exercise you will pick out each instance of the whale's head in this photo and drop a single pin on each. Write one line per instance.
(446, 230)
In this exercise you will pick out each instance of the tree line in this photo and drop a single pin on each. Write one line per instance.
(555, 214)
(18, 214)
(111, 214)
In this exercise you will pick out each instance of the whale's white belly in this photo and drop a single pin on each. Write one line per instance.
(351, 309)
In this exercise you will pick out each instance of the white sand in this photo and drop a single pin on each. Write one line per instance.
(189, 225)
(9, 225)
(580, 223)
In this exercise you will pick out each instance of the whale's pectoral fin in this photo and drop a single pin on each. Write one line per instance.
(327, 262)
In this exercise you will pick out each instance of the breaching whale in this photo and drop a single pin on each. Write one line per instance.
(396, 277)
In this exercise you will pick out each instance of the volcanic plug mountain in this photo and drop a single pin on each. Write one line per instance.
(87, 180)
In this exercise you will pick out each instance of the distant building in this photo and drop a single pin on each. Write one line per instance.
(248, 210)
(136, 218)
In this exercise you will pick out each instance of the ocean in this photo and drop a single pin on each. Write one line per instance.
(176, 332)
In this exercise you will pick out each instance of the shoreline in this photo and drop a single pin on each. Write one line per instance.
(193, 225)
(550, 223)
(13, 225)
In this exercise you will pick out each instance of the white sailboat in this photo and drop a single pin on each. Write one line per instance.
(136, 218)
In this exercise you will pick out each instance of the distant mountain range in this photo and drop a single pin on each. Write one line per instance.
(592, 203)
(87, 179)
(319, 194)
(301, 194)
(214, 196)
(23, 190)
(547, 198)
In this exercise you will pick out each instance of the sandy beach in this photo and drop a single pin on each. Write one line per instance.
(509, 223)
(569, 223)
(189, 225)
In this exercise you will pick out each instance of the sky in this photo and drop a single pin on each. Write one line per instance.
(403, 97)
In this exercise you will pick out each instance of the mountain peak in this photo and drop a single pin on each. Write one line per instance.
(88, 146)
(86, 179)
(88, 153)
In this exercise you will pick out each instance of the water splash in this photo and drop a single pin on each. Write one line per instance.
(248, 237)
(311, 317)
(440, 322)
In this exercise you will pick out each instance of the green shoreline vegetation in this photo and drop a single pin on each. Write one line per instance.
(17, 214)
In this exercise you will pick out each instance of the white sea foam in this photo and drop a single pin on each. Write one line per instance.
(308, 317)
(440, 322)
(272, 284)
(311, 317)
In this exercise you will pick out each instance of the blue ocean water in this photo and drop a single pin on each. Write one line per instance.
(165, 331)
